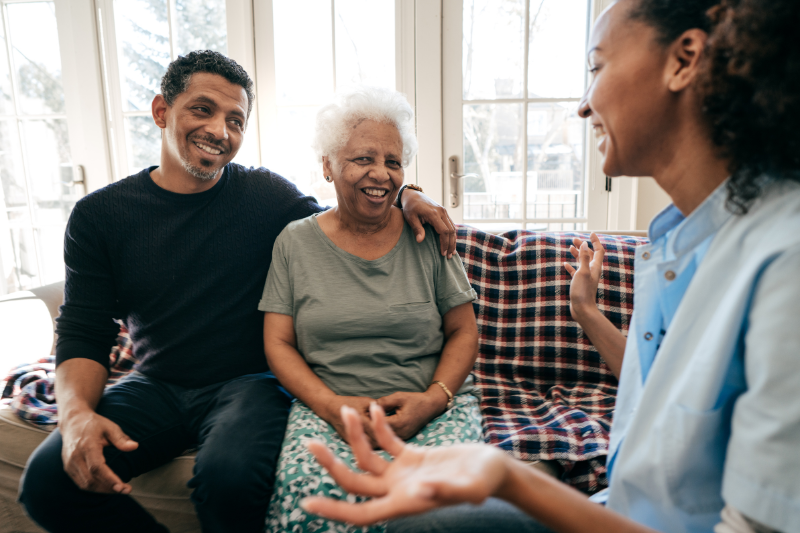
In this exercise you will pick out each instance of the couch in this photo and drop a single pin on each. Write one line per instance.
(547, 397)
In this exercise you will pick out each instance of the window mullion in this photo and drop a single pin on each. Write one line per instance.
(170, 24)
(11, 72)
(333, 40)
(526, 39)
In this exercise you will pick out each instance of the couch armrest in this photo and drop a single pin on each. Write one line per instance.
(52, 296)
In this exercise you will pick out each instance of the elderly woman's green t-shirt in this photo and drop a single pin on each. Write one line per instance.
(366, 328)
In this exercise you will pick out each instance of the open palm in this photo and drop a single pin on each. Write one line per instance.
(417, 480)
(586, 278)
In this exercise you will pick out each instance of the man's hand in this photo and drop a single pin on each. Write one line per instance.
(84, 436)
(583, 287)
(418, 480)
(410, 411)
(332, 413)
(418, 209)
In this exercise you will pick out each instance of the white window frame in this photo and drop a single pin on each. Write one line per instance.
(80, 76)
(596, 217)
(266, 92)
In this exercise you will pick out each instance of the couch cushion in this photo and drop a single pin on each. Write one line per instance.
(162, 491)
(547, 394)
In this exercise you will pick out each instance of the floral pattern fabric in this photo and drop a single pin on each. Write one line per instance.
(300, 475)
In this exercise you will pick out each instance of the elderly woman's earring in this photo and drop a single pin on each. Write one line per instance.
(328, 179)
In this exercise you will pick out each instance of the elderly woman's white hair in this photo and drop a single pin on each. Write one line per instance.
(336, 120)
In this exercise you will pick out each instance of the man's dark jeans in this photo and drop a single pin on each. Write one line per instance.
(237, 426)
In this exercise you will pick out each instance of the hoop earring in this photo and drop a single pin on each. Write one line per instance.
(328, 179)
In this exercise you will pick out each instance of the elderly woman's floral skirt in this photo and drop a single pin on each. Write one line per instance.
(299, 475)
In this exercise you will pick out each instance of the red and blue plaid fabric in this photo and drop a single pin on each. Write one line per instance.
(547, 394)
(29, 389)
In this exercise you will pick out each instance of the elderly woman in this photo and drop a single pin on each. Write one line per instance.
(357, 312)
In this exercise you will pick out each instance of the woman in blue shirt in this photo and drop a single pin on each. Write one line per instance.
(707, 422)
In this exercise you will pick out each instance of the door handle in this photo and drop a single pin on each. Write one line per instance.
(455, 181)
(78, 177)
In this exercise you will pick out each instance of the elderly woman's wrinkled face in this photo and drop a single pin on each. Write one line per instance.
(367, 172)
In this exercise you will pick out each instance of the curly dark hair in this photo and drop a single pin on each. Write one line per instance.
(671, 18)
(750, 86)
(179, 74)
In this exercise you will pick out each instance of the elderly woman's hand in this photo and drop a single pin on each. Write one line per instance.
(418, 209)
(410, 411)
(331, 412)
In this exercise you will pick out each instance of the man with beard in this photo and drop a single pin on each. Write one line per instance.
(179, 252)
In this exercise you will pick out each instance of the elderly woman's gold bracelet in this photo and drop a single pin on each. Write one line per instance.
(450, 400)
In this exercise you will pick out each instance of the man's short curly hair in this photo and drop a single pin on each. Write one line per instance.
(179, 74)
(751, 93)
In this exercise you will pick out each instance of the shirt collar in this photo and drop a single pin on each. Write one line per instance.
(698, 226)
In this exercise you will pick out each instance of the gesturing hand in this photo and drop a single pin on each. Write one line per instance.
(410, 411)
(418, 209)
(419, 479)
(84, 436)
(583, 287)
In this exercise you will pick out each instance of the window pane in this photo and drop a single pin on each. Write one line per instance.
(6, 102)
(17, 262)
(19, 256)
(365, 43)
(493, 149)
(557, 54)
(303, 53)
(492, 48)
(200, 25)
(50, 241)
(144, 143)
(294, 159)
(555, 226)
(34, 40)
(143, 50)
(555, 161)
(495, 227)
(46, 147)
(14, 191)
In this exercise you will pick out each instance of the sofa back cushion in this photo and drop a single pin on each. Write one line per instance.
(547, 394)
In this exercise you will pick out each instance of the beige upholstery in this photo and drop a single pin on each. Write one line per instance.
(162, 491)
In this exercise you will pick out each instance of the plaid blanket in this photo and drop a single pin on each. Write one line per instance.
(547, 394)
(29, 389)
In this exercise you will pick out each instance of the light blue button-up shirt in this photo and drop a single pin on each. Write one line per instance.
(707, 411)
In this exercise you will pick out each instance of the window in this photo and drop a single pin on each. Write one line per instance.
(140, 38)
(515, 131)
(36, 170)
(319, 46)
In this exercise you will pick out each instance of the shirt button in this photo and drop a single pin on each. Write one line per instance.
(670, 275)
(648, 336)
(646, 256)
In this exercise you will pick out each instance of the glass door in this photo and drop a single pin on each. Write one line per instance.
(516, 150)
(39, 185)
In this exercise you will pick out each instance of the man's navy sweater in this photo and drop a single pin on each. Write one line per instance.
(183, 271)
